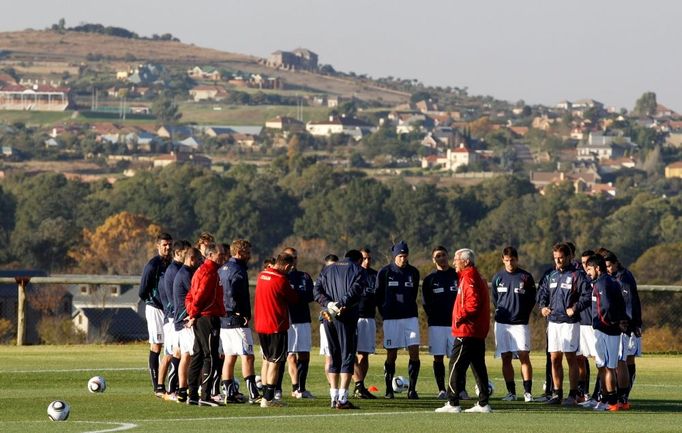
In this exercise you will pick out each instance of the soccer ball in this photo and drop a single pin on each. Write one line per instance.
(400, 384)
(58, 410)
(97, 384)
(491, 389)
(259, 382)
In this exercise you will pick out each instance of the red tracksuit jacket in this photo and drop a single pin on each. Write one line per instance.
(471, 313)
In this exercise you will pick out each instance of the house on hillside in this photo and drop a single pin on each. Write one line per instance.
(300, 58)
(352, 126)
(599, 146)
(204, 73)
(673, 170)
(36, 97)
(207, 93)
(453, 159)
(182, 158)
(284, 123)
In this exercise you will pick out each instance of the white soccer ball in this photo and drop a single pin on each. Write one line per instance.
(491, 389)
(400, 384)
(259, 382)
(58, 410)
(97, 384)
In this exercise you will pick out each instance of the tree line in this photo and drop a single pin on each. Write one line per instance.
(47, 221)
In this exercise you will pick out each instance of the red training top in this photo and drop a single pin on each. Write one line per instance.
(273, 296)
(205, 296)
(471, 313)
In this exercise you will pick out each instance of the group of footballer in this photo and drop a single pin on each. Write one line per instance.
(591, 305)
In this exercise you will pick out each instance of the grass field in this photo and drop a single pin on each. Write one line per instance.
(31, 377)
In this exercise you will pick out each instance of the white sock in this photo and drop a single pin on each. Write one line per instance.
(343, 395)
(334, 394)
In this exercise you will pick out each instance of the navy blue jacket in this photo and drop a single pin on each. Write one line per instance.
(302, 283)
(513, 296)
(236, 298)
(562, 289)
(343, 282)
(181, 286)
(608, 305)
(166, 289)
(633, 307)
(368, 304)
(396, 291)
(152, 275)
(586, 314)
(439, 290)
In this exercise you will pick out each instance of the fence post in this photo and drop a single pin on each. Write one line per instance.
(21, 308)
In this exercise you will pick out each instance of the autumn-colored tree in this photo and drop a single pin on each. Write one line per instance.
(120, 246)
(480, 127)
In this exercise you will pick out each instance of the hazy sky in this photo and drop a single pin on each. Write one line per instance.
(541, 51)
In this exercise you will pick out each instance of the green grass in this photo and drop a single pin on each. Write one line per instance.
(245, 115)
(30, 378)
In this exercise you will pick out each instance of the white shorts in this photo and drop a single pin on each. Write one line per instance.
(324, 345)
(587, 341)
(236, 341)
(367, 335)
(563, 337)
(186, 340)
(511, 338)
(607, 349)
(170, 338)
(630, 345)
(401, 333)
(441, 340)
(155, 322)
(299, 338)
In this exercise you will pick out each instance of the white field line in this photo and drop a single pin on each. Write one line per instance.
(74, 370)
(122, 426)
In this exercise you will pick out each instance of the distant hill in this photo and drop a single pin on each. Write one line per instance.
(34, 46)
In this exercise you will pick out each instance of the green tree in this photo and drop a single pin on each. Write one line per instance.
(667, 269)
(7, 215)
(646, 104)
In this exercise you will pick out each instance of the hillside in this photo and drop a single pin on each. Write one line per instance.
(53, 52)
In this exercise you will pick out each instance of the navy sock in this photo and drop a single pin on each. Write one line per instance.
(439, 373)
(302, 374)
(154, 368)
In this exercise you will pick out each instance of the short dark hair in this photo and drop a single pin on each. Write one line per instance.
(284, 259)
(269, 262)
(587, 253)
(598, 261)
(163, 236)
(510, 252)
(354, 255)
(331, 258)
(439, 248)
(610, 257)
(563, 248)
(571, 246)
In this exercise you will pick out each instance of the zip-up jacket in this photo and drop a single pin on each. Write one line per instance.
(271, 304)
(562, 289)
(585, 314)
(633, 307)
(236, 297)
(166, 290)
(205, 297)
(368, 303)
(396, 291)
(608, 305)
(439, 290)
(471, 313)
(181, 286)
(302, 283)
(149, 284)
(513, 296)
(343, 282)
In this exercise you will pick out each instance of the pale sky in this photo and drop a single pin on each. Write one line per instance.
(541, 51)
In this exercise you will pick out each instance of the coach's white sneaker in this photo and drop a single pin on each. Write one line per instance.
(448, 408)
(509, 397)
(527, 397)
(479, 409)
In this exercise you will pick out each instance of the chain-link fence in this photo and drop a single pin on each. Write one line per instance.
(84, 309)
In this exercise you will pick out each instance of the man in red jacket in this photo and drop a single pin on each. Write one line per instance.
(470, 326)
(204, 304)
(274, 294)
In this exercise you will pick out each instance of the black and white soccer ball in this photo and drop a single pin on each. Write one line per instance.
(400, 384)
(259, 382)
(97, 384)
(491, 389)
(58, 410)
